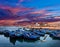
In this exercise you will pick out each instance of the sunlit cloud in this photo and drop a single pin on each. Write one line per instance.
(31, 14)
(38, 12)
(25, 19)
(48, 11)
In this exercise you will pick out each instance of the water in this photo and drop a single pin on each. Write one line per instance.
(9, 42)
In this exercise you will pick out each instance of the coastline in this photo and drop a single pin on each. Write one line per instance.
(35, 27)
(51, 28)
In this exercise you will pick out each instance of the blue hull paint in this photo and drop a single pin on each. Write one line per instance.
(30, 36)
(39, 33)
(55, 34)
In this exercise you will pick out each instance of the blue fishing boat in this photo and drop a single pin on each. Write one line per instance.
(46, 31)
(12, 34)
(1, 32)
(18, 33)
(30, 36)
(55, 34)
(34, 34)
(6, 32)
(43, 31)
(38, 32)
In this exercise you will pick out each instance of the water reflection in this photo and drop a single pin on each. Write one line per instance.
(43, 42)
(13, 40)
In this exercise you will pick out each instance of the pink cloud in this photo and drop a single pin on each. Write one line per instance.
(25, 19)
(15, 10)
(24, 0)
(57, 17)
(45, 13)
(38, 12)
(50, 13)
(21, 0)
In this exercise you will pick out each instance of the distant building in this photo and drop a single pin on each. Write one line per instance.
(37, 24)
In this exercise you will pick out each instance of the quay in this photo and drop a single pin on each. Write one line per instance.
(38, 27)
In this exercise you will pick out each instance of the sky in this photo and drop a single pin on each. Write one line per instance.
(30, 10)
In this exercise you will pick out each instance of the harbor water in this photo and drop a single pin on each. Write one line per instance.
(43, 42)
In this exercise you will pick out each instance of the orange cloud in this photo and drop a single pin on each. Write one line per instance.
(8, 22)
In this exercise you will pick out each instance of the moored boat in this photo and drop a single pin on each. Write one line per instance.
(30, 36)
(55, 34)
(38, 32)
(6, 32)
(12, 34)
(19, 33)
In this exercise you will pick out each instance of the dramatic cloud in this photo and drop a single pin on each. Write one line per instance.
(38, 12)
(48, 11)
(13, 11)
(20, 13)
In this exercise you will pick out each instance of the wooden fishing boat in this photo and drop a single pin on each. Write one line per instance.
(30, 36)
(55, 34)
